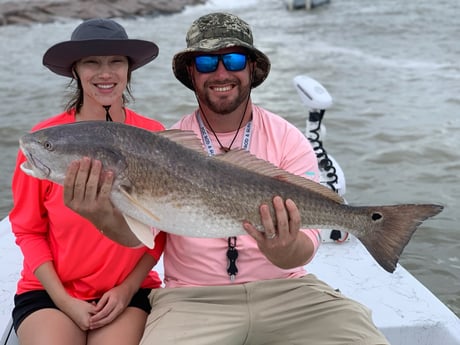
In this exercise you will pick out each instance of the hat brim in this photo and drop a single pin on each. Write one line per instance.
(182, 59)
(61, 57)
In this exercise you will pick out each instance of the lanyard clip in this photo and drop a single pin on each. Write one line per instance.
(232, 255)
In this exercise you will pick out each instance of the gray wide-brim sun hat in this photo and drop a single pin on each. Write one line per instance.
(98, 37)
(213, 32)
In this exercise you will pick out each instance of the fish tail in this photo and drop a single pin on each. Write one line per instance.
(394, 226)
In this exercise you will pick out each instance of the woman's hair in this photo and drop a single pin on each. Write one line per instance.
(76, 93)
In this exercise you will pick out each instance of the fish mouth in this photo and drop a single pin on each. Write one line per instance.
(33, 167)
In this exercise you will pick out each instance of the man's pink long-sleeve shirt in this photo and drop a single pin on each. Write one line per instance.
(197, 261)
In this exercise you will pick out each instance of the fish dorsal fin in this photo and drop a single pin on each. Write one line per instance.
(186, 138)
(248, 161)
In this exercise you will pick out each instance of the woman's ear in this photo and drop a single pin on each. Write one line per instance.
(74, 73)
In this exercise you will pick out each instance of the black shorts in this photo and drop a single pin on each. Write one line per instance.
(28, 302)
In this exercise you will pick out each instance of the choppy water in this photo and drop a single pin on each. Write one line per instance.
(391, 66)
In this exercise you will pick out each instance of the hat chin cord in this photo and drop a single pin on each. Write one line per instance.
(107, 114)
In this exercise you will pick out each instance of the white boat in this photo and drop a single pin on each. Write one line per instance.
(305, 4)
(402, 307)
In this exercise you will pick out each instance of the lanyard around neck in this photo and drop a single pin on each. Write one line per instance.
(232, 252)
(207, 140)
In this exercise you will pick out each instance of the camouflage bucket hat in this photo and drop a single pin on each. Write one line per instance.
(216, 31)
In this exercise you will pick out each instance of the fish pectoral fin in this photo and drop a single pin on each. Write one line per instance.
(138, 205)
(248, 161)
(142, 231)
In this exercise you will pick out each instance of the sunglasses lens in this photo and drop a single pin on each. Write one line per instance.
(206, 63)
(232, 62)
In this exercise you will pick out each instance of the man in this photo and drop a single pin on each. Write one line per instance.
(250, 289)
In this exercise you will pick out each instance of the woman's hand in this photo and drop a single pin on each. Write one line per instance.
(110, 306)
(79, 311)
(87, 190)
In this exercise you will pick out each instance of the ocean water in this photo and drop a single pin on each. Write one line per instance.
(391, 67)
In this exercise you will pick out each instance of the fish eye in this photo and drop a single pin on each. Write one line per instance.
(48, 145)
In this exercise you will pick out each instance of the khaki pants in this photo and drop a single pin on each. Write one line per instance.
(282, 311)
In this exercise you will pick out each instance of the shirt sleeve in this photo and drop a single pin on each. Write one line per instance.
(29, 219)
(160, 241)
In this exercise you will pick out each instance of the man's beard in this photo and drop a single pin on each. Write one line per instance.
(226, 106)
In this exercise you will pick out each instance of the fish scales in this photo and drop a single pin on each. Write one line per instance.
(230, 193)
(165, 180)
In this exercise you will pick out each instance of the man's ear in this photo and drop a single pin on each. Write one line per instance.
(252, 67)
(191, 75)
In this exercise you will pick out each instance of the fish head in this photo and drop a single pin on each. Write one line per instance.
(50, 151)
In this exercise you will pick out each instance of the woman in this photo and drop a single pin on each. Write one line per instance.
(78, 286)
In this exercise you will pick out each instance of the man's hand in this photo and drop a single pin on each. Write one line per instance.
(282, 242)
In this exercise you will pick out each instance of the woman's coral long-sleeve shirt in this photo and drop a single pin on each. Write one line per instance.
(87, 262)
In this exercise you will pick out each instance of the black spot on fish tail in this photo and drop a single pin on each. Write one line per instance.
(393, 227)
(376, 216)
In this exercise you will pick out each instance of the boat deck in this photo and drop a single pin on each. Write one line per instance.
(405, 311)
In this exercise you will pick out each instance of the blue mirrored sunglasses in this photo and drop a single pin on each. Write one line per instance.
(232, 62)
